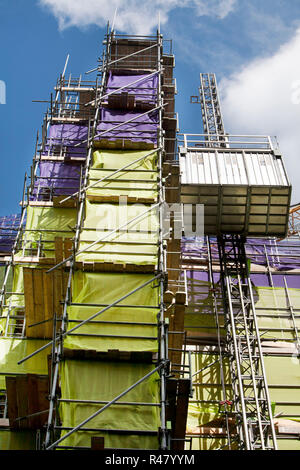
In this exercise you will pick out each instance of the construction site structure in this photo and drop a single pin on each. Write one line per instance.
(241, 323)
(124, 326)
(92, 340)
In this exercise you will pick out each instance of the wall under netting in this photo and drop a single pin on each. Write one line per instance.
(275, 275)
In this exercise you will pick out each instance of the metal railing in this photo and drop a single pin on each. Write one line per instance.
(227, 141)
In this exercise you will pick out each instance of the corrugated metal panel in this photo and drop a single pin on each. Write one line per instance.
(232, 167)
(242, 191)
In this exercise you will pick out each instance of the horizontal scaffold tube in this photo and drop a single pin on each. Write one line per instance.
(89, 319)
(106, 406)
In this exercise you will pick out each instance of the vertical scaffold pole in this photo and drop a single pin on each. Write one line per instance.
(162, 329)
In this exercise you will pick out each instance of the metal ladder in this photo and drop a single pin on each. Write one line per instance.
(210, 108)
(251, 401)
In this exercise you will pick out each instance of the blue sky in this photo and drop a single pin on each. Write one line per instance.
(252, 46)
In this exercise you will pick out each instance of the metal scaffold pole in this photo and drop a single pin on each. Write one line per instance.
(162, 325)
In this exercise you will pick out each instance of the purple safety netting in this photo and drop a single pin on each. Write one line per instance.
(258, 279)
(142, 129)
(145, 90)
(56, 179)
(264, 280)
(199, 290)
(282, 255)
(9, 226)
(66, 140)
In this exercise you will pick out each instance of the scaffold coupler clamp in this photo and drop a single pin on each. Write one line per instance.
(166, 365)
(224, 405)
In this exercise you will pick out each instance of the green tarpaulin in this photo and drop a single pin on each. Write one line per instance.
(137, 244)
(17, 440)
(102, 382)
(273, 313)
(13, 350)
(104, 289)
(138, 180)
(46, 223)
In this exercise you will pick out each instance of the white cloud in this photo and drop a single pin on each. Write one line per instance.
(219, 8)
(264, 98)
(134, 16)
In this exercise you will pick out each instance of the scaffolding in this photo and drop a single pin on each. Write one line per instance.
(229, 331)
(115, 334)
(90, 296)
(251, 397)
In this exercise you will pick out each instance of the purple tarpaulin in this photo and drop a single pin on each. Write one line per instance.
(282, 255)
(9, 226)
(56, 179)
(258, 279)
(64, 139)
(145, 90)
(71, 132)
(263, 280)
(142, 129)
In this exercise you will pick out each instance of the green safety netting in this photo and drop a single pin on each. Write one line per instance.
(199, 313)
(138, 180)
(284, 371)
(137, 245)
(207, 388)
(103, 381)
(271, 305)
(47, 223)
(104, 289)
(203, 407)
(283, 377)
(17, 440)
(196, 414)
(10, 278)
(13, 350)
(16, 301)
(288, 444)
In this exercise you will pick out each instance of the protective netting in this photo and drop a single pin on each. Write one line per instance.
(116, 328)
(114, 125)
(205, 410)
(139, 180)
(279, 254)
(144, 89)
(9, 226)
(66, 140)
(12, 350)
(55, 179)
(105, 382)
(136, 243)
(43, 225)
(17, 440)
(207, 413)
(14, 302)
